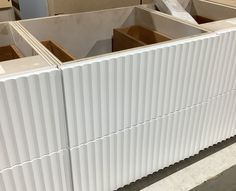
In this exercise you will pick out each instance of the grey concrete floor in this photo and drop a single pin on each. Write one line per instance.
(226, 181)
(222, 179)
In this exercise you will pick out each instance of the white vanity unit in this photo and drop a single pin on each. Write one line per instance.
(101, 99)
(33, 143)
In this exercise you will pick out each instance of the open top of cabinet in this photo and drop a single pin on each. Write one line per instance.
(205, 11)
(16, 54)
(90, 34)
(231, 3)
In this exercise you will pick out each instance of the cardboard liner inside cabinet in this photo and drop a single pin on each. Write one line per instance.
(135, 36)
(9, 52)
(61, 53)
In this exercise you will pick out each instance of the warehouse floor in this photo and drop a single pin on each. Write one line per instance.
(226, 181)
(212, 169)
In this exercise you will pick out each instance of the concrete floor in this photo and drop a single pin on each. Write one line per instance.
(210, 169)
(226, 181)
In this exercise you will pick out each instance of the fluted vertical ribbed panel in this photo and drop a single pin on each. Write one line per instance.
(111, 94)
(113, 161)
(49, 173)
(227, 56)
(32, 119)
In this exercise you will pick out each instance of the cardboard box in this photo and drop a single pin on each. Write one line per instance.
(7, 14)
(5, 4)
(75, 6)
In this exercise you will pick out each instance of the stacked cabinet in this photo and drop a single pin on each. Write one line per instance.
(97, 100)
(33, 154)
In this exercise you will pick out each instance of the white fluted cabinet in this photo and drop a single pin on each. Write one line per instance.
(100, 118)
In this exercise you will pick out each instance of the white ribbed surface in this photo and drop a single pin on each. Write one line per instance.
(227, 60)
(128, 116)
(112, 94)
(32, 119)
(49, 173)
(119, 159)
